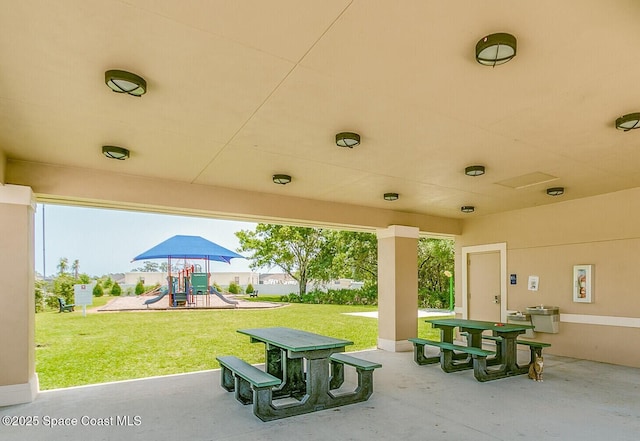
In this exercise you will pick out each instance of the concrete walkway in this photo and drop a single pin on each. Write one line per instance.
(578, 400)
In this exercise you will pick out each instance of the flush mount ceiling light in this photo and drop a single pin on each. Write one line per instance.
(125, 82)
(496, 49)
(474, 170)
(628, 122)
(347, 139)
(391, 196)
(281, 179)
(467, 208)
(113, 152)
(555, 191)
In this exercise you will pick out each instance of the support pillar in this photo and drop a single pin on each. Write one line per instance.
(18, 379)
(397, 287)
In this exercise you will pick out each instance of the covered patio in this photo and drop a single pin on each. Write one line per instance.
(353, 115)
(579, 400)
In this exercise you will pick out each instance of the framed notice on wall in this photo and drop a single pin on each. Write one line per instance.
(583, 283)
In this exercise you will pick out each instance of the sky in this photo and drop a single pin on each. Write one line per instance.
(104, 241)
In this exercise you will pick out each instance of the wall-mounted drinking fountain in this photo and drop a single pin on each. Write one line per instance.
(545, 318)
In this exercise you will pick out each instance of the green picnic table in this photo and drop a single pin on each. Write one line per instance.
(305, 366)
(504, 364)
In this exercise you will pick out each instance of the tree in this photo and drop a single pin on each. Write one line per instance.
(349, 254)
(63, 287)
(435, 256)
(139, 288)
(292, 249)
(84, 278)
(75, 267)
(149, 267)
(63, 265)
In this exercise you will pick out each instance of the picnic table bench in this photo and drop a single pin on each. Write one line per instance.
(254, 293)
(364, 369)
(458, 357)
(301, 366)
(447, 355)
(251, 385)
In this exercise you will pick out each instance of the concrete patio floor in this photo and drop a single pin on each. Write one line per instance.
(578, 400)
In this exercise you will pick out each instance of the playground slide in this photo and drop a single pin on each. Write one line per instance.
(222, 297)
(155, 299)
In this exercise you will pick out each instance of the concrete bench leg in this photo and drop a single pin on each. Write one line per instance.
(450, 362)
(289, 370)
(420, 358)
(480, 369)
(481, 372)
(227, 380)
(337, 375)
(535, 350)
(244, 393)
(361, 393)
(262, 404)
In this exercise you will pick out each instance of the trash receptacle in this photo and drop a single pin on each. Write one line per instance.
(518, 318)
(545, 318)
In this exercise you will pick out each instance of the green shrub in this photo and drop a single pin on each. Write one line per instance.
(139, 288)
(40, 295)
(249, 289)
(107, 283)
(63, 288)
(98, 291)
(364, 296)
(115, 289)
(234, 288)
(433, 299)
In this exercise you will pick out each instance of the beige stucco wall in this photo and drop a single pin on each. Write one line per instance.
(18, 382)
(397, 287)
(548, 241)
(3, 163)
(104, 189)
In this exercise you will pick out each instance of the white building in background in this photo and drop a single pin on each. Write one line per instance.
(220, 278)
(268, 283)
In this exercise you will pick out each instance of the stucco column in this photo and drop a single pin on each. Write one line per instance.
(18, 379)
(397, 287)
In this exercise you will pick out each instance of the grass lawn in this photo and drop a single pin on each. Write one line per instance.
(73, 350)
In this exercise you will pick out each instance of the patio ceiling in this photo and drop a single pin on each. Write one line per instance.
(241, 90)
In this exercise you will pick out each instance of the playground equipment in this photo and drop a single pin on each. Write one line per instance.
(195, 286)
(189, 286)
(164, 290)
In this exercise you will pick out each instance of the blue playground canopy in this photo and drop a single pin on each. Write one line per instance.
(188, 247)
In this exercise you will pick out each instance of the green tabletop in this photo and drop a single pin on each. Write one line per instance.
(294, 339)
(478, 324)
